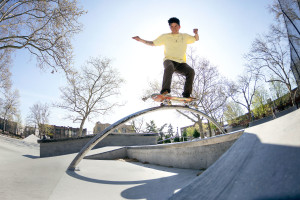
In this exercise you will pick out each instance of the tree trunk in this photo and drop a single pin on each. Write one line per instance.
(4, 125)
(81, 127)
(199, 122)
(209, 128)
(40, 127)
(249, 113)
(292, 97)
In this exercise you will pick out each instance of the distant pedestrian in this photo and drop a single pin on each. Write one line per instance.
(274, 113)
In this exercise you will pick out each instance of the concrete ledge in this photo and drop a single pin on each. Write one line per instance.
(73, 145)
(108, 155)
(198, 154)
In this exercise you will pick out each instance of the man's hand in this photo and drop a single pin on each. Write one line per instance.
(137, 38)
(195, 31)
(196, 34)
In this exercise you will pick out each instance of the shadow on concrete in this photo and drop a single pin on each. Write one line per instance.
(250, 169)
(31, 156)
(153, 189)
(280, 198)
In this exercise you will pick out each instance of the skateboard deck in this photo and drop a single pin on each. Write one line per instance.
(167, 100)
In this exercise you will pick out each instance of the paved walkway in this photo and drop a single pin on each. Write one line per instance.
(23, 175)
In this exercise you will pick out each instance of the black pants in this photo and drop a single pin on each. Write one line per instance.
(181, 68)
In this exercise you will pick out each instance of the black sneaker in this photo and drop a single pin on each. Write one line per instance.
(165, 92)
(186, 95)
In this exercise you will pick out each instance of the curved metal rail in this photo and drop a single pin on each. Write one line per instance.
(100, 136)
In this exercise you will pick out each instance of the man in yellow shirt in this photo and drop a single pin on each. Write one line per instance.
(175, 56)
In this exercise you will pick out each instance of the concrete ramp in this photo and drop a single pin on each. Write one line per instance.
(264, 163)
(198, 154)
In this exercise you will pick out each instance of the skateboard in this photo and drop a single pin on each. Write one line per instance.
(167, 100)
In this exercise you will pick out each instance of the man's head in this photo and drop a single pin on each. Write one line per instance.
(174, 20)
(174, 24)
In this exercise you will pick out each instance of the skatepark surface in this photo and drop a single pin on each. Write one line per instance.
(264, 163)
(26, 176)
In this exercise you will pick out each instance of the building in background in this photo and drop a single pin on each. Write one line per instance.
(99, 127)
(291, 13)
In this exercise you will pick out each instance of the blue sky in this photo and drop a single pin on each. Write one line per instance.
(226, 31)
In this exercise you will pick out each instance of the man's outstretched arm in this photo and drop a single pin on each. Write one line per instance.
(137, 38)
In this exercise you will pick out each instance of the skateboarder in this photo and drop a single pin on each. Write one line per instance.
(175, 44)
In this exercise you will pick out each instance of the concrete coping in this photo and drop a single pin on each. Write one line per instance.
(91, 136)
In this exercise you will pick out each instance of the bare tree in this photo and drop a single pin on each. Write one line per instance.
(154, 87)
(43, 27)
(5, 74)
(10, 105)
(270, 55)
(232, 112)
(277, 89)
(39, 115)
(137, 125)
(260, 106)
(244, 90)
(272, 60)
(89, 92)
(209, 87)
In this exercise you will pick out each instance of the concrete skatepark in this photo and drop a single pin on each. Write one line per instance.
(264, 163)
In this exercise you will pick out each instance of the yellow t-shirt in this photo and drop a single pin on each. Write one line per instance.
(175, 45)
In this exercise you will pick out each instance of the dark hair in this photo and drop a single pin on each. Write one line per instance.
(174, 20)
